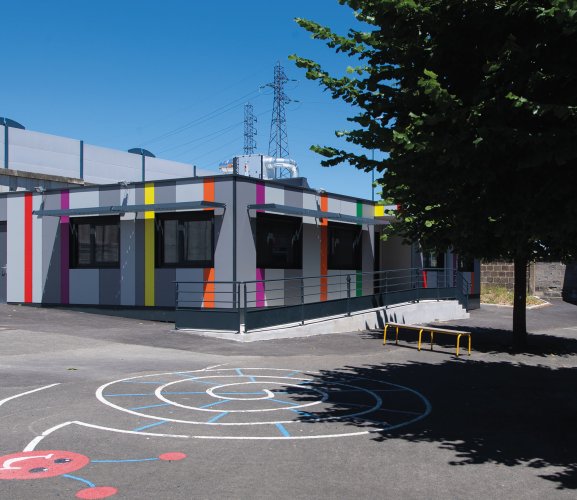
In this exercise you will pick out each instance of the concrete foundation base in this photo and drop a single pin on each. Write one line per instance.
(409, 313)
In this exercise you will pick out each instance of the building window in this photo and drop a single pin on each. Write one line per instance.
(466, 264)
(278, 241)
(433, 260)
(345, 246)
(94, 242)
(185, 239)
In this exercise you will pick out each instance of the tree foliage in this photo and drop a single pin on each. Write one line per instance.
(475, 103)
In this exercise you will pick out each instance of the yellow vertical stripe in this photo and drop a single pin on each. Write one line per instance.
(149, 246)
(379, 210)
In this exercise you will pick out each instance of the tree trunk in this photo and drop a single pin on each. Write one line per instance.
(520, 304)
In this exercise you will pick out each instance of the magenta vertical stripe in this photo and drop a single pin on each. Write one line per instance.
(64, 250)
(260, 289)
(260, 295)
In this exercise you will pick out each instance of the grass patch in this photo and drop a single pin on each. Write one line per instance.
(495, 294)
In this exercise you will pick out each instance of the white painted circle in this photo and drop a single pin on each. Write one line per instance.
(211, 392)
(335, 387)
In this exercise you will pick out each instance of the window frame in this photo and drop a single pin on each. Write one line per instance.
(334, 227)
(73, 243)
(196, 215)
(265, 261)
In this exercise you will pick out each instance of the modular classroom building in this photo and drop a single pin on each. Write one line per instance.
(127, 244)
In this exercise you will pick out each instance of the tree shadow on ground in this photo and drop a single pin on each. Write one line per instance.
(484, 412)
(484, 340)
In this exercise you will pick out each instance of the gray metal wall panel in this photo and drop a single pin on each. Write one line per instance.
(84, 286)
(15, 254)
(165, 192)
(311, 258)
(189, 190)
(128, 249)
(51, 251)
(2, 132)
(108, 196)
(128, 252)
(292, 288)
(139, 262)
(224, 245)
(246, 250)
(3, 210)
(109, 287)
(164, 288)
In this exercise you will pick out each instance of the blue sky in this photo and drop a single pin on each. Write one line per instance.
(173, 77)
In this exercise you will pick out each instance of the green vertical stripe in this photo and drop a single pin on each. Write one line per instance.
(359, 287)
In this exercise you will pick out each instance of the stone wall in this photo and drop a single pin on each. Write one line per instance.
(544, 279)
(498, 272)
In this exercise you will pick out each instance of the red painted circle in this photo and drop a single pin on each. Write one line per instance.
(39, 464)
(97, 492)
(172, 456)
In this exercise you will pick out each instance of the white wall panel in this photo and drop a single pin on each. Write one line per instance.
(49, 154)
(15, 244)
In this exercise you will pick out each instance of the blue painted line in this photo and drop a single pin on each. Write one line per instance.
(303, 413)
(400, 411)
(82, 480)
(118, 395)
(293, 373)
(200, 381)
(282, 430)
(239, 371)
(284, 402)
(125, 460)
(217, 403)
(149, 406)
(217, 417)
(138, 429)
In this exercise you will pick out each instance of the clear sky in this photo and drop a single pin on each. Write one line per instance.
(173, 77)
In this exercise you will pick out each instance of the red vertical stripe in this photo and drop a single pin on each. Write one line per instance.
(28, 247)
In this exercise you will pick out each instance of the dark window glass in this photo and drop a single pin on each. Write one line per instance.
(432, 260)
(278, 241)
(185, 239)
(94, 242)
(345, 246)
(466, 264)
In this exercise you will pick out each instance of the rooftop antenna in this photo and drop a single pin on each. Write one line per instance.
(249, 129)
(278, 143)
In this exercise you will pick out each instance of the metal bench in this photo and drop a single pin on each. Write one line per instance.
(432, 331)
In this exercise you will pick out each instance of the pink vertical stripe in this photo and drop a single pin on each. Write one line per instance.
(260, 273)
(260, 291)
(64, 250)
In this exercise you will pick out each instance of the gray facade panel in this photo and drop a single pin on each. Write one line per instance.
(165, 193)
(51, 252)
(108, 196)
(3, 210)
(139, 263)
(164, 287)
(128, 254)
(224, 245)
(246, 250)
(84, 286)
(109, 287)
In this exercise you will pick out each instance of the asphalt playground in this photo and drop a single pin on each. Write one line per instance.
(94, 407)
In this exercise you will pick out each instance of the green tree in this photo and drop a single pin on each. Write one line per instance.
(475, 103)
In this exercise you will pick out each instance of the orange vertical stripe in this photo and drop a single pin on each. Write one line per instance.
(28, 247)
(208, 190)
(324, 248)
(208, 276)
(208, 295)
